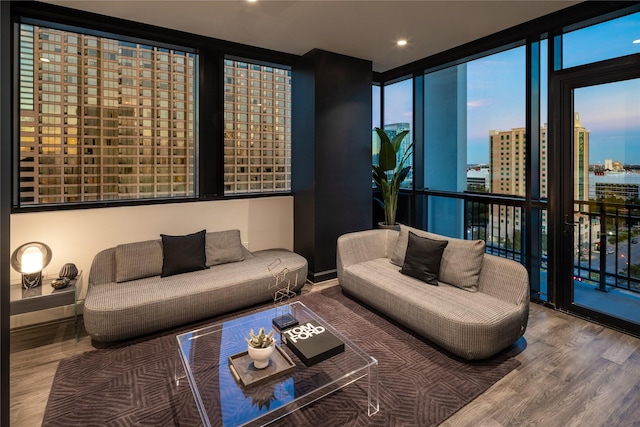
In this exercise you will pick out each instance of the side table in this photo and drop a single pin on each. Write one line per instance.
(44, 296)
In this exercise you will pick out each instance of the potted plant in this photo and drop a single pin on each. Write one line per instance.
(390, 173)
(261, 347)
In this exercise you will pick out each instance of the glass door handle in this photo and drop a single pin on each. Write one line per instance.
(569, 223)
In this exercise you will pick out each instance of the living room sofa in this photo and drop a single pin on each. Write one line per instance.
(484, 311)
(128, 296)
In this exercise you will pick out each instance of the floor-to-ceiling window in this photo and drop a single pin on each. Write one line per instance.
(398, 117)
(475, 141)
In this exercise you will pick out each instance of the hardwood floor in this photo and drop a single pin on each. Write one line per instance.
(572, 373)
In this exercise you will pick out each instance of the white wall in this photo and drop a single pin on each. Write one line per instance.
(77, 235)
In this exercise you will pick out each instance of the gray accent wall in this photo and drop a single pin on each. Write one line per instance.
(331, 155)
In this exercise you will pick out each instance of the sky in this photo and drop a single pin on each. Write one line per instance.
(496, 94)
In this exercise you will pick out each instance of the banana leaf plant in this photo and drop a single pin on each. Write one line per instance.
(390, 172)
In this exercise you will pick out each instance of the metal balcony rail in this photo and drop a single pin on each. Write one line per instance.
(607, 242)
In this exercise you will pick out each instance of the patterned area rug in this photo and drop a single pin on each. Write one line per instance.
(131, 384)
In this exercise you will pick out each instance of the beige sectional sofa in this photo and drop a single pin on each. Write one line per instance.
(479, 307)
(128, 296)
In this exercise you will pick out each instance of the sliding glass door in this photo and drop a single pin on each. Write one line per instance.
(601, 197)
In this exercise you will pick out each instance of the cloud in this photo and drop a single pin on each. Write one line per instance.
(477, 103)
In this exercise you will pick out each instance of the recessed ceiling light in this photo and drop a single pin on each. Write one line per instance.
(45, 60)
(636, 41)
(402, 42)
(252, 1)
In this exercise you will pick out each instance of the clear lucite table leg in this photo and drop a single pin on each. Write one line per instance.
(373, 402)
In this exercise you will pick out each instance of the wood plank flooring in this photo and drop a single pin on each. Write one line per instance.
(572, 373)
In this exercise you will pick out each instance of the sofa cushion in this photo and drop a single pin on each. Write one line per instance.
(138, 260)
(223, 247)
(182, 254)
(461, 259)
(422, 259)
(462, 262)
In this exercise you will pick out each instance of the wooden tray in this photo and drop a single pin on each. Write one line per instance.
(246, 374)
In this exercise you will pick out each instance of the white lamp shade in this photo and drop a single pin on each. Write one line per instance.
(32, 260)
(31, 257)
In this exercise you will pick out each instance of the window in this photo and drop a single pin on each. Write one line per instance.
(474, 115)
(257, 146)
(100, 118)
(607, 40)
(398, 116)
(375, 123)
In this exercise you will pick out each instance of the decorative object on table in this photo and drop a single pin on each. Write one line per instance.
(242, 369)
(30, 259)
(261, 347)
(312, 343)
(69, 271)
(283, 293)
(390, 172)
(60, 282)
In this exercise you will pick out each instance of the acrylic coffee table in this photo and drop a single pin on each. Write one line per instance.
(222, 400)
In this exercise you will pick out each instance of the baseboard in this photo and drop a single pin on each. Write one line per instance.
(321, 276)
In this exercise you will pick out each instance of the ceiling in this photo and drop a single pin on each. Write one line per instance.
(362, 29)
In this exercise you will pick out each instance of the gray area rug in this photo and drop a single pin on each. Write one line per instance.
(131, 384)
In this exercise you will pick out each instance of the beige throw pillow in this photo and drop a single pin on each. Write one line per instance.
(461, 260)
(138, 260)
(222, 247)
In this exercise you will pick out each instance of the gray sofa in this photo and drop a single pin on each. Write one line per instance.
(486, 311)
(127, 297)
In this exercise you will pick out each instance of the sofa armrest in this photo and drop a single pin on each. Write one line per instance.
(103, 267)
(504, 279)
(360, 246)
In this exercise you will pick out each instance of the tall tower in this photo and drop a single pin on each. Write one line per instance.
(395, 128)
(506, 176)
(103, 119)
(580, 160)
(507, 162)
(508, 172)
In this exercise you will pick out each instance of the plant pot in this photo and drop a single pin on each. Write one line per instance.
(395, 226)
(261, 356)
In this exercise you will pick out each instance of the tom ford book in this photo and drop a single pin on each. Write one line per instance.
(312, 343)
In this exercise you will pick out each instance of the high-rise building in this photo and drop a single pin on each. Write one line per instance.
(507, 161)
(257, 121)
(392, 130)
(508, 170)
(580, 160)
(103, 119)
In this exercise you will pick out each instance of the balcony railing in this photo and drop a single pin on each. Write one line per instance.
(497, 220)
(607, 242)
(500, 226)
(606, 239)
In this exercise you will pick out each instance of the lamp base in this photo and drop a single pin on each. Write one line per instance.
(31, 280)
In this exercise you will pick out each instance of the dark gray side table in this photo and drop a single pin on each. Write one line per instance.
(44, 297)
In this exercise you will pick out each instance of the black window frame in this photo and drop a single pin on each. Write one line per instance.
(209, 120)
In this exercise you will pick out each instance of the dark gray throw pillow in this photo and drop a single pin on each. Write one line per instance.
(182, 254)
(423, 257)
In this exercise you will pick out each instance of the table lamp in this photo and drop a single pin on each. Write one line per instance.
(30, 259)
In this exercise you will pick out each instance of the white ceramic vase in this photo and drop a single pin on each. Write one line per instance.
(261, 356)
